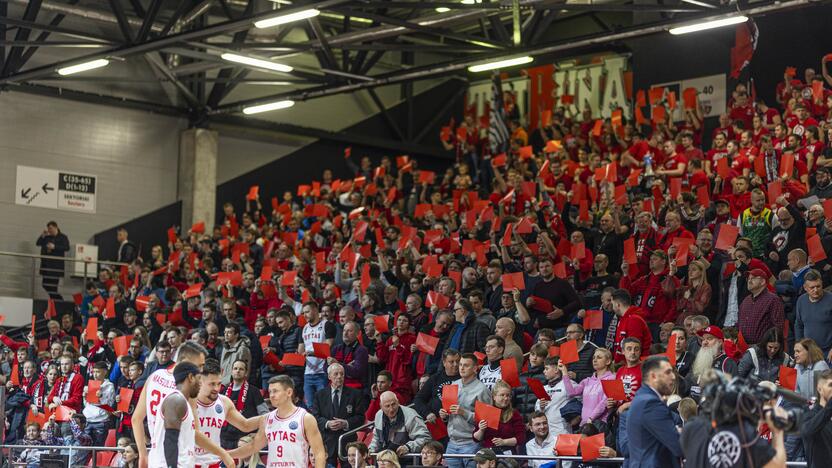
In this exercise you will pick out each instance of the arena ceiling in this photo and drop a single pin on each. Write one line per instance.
(171, 56)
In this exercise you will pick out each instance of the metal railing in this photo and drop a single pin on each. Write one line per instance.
(32, 271)
(341, 454)
(6, 452)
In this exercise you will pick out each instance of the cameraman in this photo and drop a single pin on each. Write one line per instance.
(734, 443)
(816, 424)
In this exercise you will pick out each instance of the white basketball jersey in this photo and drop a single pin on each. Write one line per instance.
(490, 376)
(186, 442)
(159, 385)
(314, 334)
(211, 419)
(288, 447)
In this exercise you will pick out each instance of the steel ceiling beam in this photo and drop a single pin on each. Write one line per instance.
(433, 71)
(22, 34)
(41, 37)
(152, 13)
(92, 98)
(551, 4)
(156, 60)
(123, 25)
(54, 29)
(162, 42)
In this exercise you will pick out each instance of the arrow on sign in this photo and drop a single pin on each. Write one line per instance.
(25, 193)
(46, 188)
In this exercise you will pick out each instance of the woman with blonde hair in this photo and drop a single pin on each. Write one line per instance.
(594, 408)
(510, 434)
(387, 459)
(694, 297)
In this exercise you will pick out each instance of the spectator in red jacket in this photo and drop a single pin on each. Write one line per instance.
(396, 357)
(631, 324)
(655, 292)
(70, 387)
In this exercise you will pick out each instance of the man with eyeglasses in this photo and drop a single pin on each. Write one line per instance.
(491, 372)
(586, 349)
(428, 400)
(162, 359)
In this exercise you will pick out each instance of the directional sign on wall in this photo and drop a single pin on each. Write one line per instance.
(59, 190)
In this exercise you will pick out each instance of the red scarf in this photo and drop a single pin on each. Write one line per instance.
(241, 397)
(64, 386)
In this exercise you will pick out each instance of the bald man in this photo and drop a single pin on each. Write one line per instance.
(798, 263)
(505, 329)
(398, 428)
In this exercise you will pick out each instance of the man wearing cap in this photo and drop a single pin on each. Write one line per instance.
(486, 458)
(710, 356)
(760, 310)
(655, 292)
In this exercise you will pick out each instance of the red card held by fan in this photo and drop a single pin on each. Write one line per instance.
(427, 344)
(787, 164)
(567, 444)
(727, 237)
(484, 411)
(450, 397)
(382, 323)
(569, 352)
(92, 329)
(93, 386)
(512, 281)
(671, 349)
(722, 168)
(591, 447)
(775, 189)
(99, 303)
(321, 350)
(63, 413)
(816, 251)
(438, 430)
(788, 378)
(142, 302)
(264, 341)
(542, 305)
(594, 320)
(293, 359)
(630, 251)
(614, 389)
(121, 345)
(40, 419)
(288, 278)
(702, 196)
(193, 291)
(125, 396)
(440, 300)
(508, 371)
(525, 152)
(499, 160)
(538, 389)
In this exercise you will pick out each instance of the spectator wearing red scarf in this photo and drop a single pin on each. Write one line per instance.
(396, 356)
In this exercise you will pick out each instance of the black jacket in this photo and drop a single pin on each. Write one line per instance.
(474, 334)
(351, 407)
(53, 267)
(127, 252)
(523, 397)
(816, 431)
(429, 398)
(742, 291)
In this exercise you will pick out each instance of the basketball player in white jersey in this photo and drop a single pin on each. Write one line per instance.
(159, 385)
(214, 410)
(174, 429)
(289, 431)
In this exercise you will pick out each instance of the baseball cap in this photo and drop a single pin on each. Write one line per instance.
(484, 455)
(758, 273)
(722, 200)
(712, 330)
(659, 253)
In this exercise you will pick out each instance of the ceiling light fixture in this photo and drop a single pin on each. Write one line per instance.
(268, 107)
(82, 67)
(443, 10)
(256, 62)
(500, 64)
(286, 18)
(708, 25)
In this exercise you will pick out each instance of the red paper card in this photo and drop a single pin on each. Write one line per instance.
(525, 152)
(675, 187)
(788, 378)
(426, 343)
(614, 389)
(193, 291)
(426, 177)
(542, 305)
(99, 303)
(816, 251)
(293, 359)
(288, 278)
(630, 251)
(787, 164)
(63, 413)
(121, 344)
(438, 430)
(508, 371)
(253, 192)
(382, 323)
(233, 277)
(40, 419)
(775, 189)
(440, 300)
(671, 349)
(499, 160)
(322, 350)
(450, 396)
(591, 447)
(702, 196)
(689, 97)
(567, 444)
(125, 396)
(264, 341)
(513, 280)
(92, 329)
(198, 228)
(569, 352)
(594, 320)
(484, 411)
(538, 389)
(93, 386)
(727, 237)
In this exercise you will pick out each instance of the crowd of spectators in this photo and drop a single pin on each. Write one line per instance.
(508, 304)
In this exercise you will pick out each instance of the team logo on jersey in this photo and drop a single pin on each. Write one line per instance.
(293, 425)
(724, 450)
(218, 408)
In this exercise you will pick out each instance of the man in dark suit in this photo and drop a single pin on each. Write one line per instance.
(54, 243)
(337, 409)
(654, 439)
(127, 251)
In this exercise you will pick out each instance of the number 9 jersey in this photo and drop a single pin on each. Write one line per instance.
(288, 447)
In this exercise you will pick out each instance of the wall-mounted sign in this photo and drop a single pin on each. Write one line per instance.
(59, 190)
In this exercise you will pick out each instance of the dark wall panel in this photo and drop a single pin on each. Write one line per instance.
(145, 231)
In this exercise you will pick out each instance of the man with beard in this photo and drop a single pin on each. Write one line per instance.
(710, 356)
(756, 223)
(653, 437)
(790, 234)
(215, 411)
(428, 400)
